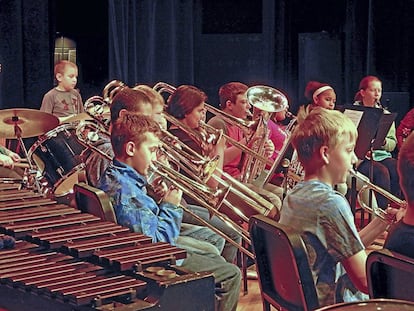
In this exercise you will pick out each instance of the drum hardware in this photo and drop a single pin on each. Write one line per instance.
(57, 155)
(24, 123)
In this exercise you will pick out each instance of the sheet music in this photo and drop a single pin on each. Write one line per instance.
(354, 115)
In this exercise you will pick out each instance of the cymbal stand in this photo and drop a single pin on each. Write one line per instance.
(32, 169)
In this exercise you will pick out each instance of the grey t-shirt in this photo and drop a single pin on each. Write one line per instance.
(324, 219)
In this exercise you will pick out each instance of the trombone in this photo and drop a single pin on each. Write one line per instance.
(208, 198)
(376, 211)
(254, 200)
(89, 132)
(200, 168)
(243, 124)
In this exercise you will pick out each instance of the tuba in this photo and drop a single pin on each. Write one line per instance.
(265, 175)
(265, 101)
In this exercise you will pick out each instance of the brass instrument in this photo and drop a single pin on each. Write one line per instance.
(98, 109)
(266, 100)
(88, 132)
(255, 201)
(207, 198)
(244, 124)
(266, 175)
(111, 89)
(205, 138)
(382, 214)
(191, 159)
(200, 168)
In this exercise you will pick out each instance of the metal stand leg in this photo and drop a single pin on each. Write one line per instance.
(31, 168)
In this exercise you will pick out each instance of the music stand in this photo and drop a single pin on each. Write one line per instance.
(373, 126)
(366, 119)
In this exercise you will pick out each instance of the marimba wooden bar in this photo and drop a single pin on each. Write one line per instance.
(67, 260)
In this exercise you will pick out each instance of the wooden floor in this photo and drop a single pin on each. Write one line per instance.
(252, 301)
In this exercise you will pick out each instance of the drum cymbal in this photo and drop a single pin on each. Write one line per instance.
(78, 117)
(21, 122)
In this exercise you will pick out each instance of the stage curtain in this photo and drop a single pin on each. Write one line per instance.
(25, 48)
(151, 41)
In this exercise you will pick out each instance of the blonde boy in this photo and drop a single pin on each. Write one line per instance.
(63, 101)
(325, 143)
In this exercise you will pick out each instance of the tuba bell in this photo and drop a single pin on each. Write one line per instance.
(265, 101)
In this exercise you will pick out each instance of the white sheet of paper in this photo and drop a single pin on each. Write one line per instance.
(354, 115)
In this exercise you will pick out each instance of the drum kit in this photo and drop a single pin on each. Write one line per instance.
(55, 159)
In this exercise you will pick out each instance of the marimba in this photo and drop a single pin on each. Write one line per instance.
(67, 260)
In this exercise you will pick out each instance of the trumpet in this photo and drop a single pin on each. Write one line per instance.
(382, 214)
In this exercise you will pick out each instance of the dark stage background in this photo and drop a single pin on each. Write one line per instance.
(282, 43)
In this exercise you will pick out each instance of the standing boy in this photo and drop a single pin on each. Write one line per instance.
(325, 143)
(63, 101)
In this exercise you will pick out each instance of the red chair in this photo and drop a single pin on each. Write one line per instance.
(282, 264)
(94, 201)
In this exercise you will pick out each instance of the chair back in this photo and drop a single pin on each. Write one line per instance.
(371, 305)
(390, 275)
(282, 264)
(94, 201)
